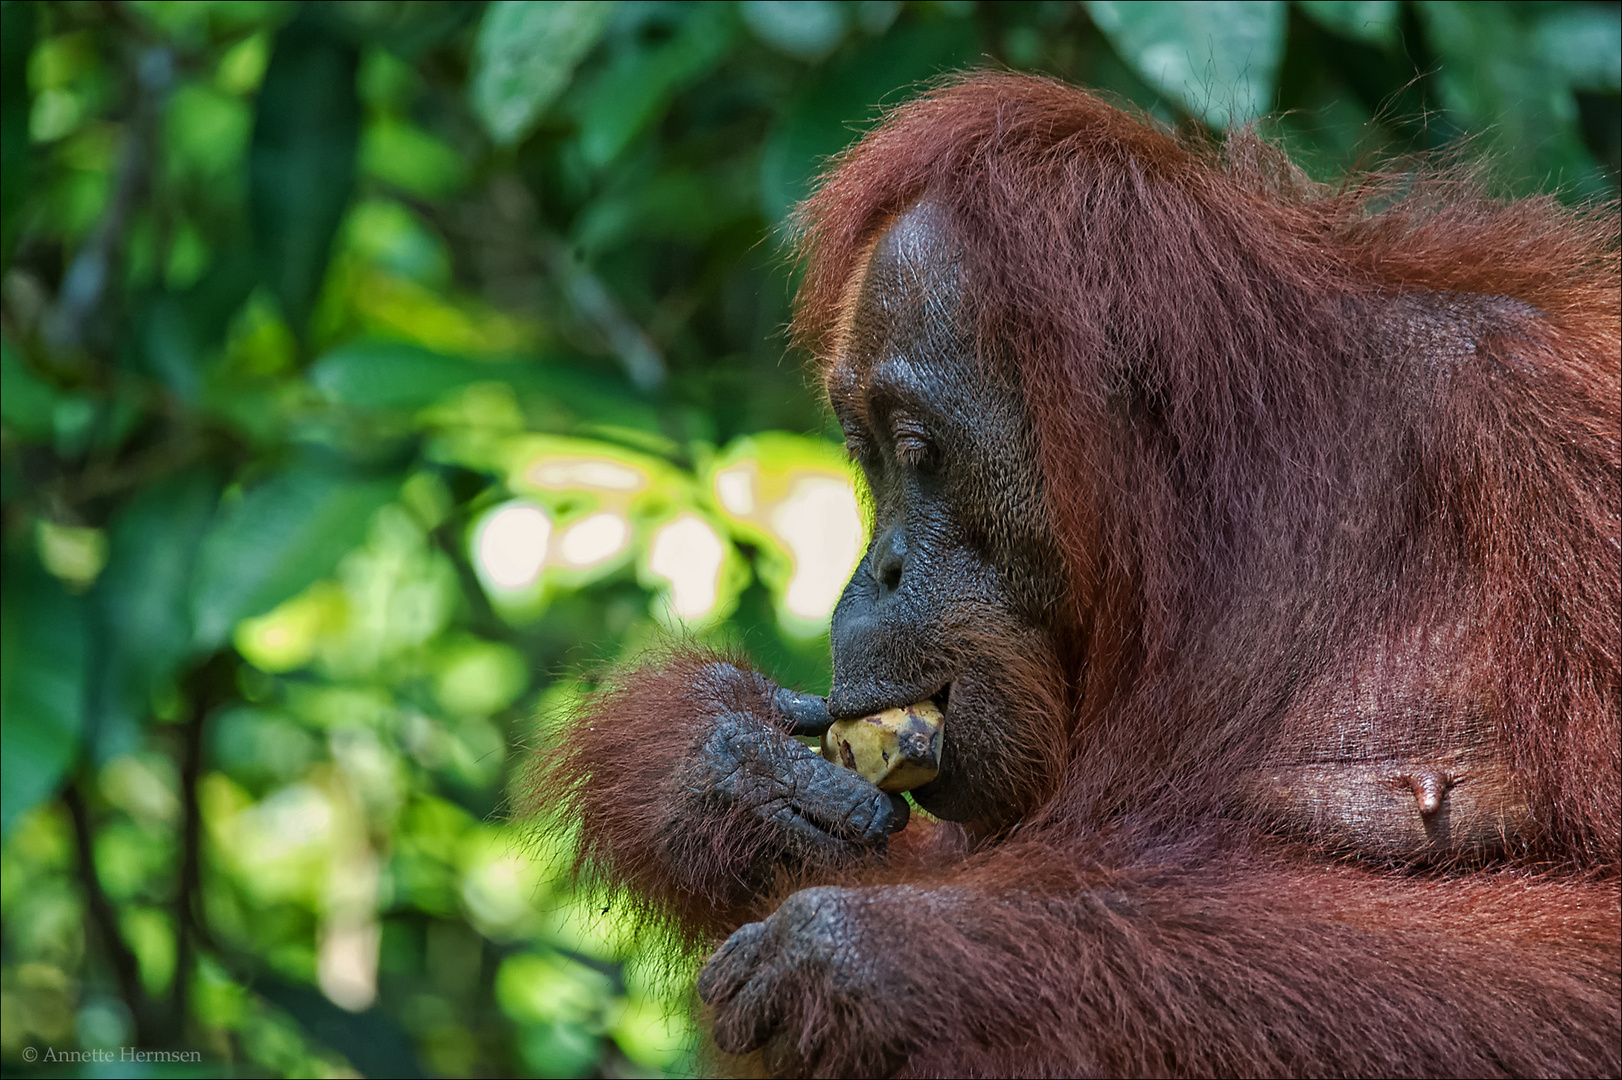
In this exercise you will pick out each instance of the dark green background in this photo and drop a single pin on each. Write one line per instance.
(286, 289)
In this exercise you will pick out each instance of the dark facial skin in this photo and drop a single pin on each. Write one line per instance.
(958, 599)
(961, 579)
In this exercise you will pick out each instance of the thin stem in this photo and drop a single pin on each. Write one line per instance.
(103, 917)
(209, 685)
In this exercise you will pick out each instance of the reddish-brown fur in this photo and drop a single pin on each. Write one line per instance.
(1263, 589)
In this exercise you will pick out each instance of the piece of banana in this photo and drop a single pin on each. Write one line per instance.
(897, 749)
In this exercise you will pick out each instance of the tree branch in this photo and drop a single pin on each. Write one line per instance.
(210, 685)
(91, 274)
(103, 916)
(644, 364)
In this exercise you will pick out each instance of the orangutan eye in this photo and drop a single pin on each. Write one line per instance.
(858, 445)
(913, 446)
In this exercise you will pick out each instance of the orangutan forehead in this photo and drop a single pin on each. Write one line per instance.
(902, 308)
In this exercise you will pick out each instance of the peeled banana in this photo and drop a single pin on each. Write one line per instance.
(897, 749)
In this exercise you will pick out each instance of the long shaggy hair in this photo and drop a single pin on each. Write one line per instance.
(1318, 458)
(1335, 475)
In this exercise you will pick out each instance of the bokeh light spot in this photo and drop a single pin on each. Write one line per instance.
(735, 488)
(346, 967)
(286, 637)
(594, 540)
(511, 544)
(688, 554)
(567, 474)
(821, 525)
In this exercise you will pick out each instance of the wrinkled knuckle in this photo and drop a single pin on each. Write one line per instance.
(816, 909)
(719, 746)
(726, 782)
(859, 815)
(709, 984)
(723, 973)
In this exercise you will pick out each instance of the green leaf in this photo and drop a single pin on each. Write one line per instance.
(178, 333)
(678, 203)
(526, 55)
(406, 29)
(206, 133)
(141, 603)
(16, 42)
(1582, 43)
(1492, 81)
(372, 1042)
(383, 376)
(392, 375)
(412, 160)
(635, 90)
(168, 348)
(302, 162)
(42, 677)
(805, 29)
(282, 536)
(832, 111)
(1219, 58)
(480, 677)
(1370, 21)
(27, 402)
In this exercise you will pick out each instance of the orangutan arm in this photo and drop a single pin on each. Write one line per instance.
(691, 792)
(1231, 968)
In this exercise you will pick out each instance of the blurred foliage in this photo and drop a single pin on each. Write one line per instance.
(375, 371)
